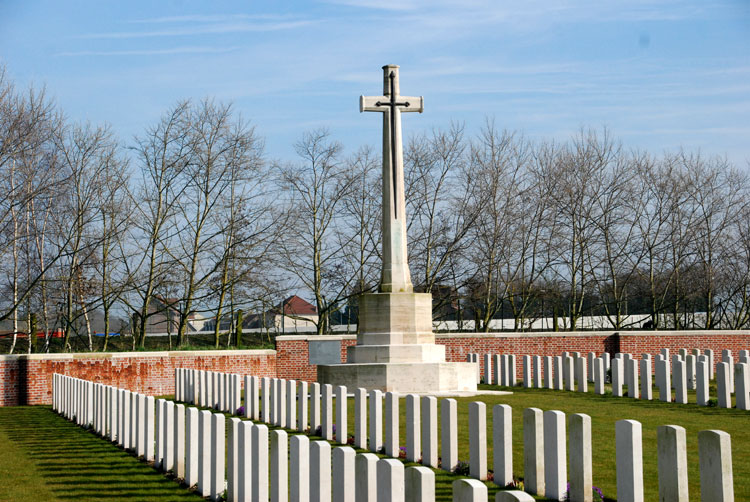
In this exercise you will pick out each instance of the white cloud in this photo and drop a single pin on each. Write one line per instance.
(211, 29)
(152, 52)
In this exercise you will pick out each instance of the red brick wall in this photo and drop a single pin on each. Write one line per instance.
(292, 356)
(28, 379)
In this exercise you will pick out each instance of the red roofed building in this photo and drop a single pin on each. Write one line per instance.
(297, 313)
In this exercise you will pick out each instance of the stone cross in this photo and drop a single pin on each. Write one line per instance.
(395, 276)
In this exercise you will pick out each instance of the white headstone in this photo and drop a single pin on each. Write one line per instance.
(710, 355)
(569, 373)
(360, 418)
(265, 399)
(715, 459)
(365, 477)
(548, 374)
(469, 490)
(279, 466)
(701, 382)
(291, 404)
(646, 387)
(218, 455)
(233, 459)
(191, 447)
(299, 468)
(413, 428)
(672, 463)
(341, 415)
(320, 471)
(629, 460)
(533, 451)
(391, 424)
(245, 461)
(315, 408)
(723, 385)
(502, 444)
(742, 386)
(513, 496)
(537, 372)
(599, 376)
(302, 407)
(429, 431)
(449, 427)
(343, 478)
(390, 480)
(663, 380)
(618, 376)
(420, 484)
(555, 458)
(260, 462)
(488, 369)
(632, 378)
(375, 420)
(204, 453)
(690, 361)
(582, 374)
(478, 440)
(178, 449)
(527, 382)
(679, 379)
(326, 431)
(579, 459)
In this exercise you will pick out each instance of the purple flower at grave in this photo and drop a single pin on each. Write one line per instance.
(241, 411)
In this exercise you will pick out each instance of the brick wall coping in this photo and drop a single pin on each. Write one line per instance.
(125, 355)
(293, 338)
(696, 332)
(622, 333)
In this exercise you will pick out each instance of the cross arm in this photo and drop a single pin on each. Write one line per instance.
(367, 103)
(381, 103)
(416, 104)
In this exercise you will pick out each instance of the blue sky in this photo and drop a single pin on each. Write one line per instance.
(659, 74)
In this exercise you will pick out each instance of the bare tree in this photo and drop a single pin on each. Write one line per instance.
(311, 253)
(163, 152)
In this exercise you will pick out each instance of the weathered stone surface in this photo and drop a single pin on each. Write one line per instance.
(629, 459)
(391, 482)
(343, 478)
(555, 458)
(365, 476)
(299, 468)
(478, 440)
(429, 431)
(502, 444)
(533, 451)
(715, 459)
(413, 428)
(449, 427)
(672, 463)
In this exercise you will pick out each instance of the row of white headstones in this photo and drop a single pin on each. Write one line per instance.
(251, 462)
(570, 371)
(547, 463)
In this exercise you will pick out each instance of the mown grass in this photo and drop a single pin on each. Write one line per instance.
(44, 457)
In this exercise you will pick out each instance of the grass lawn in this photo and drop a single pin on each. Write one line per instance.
(44, 457)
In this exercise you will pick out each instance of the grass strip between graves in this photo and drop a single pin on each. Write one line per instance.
(45, 457)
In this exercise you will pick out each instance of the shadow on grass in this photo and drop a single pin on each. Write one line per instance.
(75, 464)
